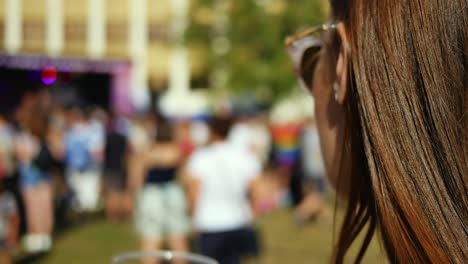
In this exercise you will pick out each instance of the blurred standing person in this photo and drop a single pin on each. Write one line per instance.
(83, 153)
(57, 128)
(116, 154)
(141, 133)
(312, 157)
(35, 160)
(220, 179)
(161, 210)
(7, 163)
(288, 156)
(9, 215)
(9, 224)
(97, 121)
(314, 182)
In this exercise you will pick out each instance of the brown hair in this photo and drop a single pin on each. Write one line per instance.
(406, 127)
(220, 126)
(32, 116)
(165, 132)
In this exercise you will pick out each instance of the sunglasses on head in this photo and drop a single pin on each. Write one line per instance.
(304, 48)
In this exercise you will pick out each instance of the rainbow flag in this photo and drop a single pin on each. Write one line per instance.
(286, 143)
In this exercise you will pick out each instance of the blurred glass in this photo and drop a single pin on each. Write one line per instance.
(162, 257)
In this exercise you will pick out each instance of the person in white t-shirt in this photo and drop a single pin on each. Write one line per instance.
(221, 179)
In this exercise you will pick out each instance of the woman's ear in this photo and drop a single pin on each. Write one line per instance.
(341, 85)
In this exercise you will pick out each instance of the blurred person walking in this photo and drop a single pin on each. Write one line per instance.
(287, 155)
(116, 159)
(312, 160)
(161, 210)
(220, 178)
(35, 151)
(7, 162)
(314, 183)
(9, 213)
(83, 156)
(9, 224)
(57, 128)
(7, 156)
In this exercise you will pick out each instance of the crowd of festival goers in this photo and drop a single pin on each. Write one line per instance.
(204, 179)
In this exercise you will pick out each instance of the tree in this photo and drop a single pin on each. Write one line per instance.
(256, 62)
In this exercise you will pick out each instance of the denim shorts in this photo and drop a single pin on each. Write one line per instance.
(31, 176)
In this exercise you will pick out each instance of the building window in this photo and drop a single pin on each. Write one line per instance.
(117, 32)
(158, 32)
(117, 38)
(2, 34)
(33, 35)
(75, 31)
(75, 37)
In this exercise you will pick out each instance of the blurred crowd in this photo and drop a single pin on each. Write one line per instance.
(175, 178)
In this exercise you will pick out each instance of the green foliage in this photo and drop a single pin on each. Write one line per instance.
(257, 61)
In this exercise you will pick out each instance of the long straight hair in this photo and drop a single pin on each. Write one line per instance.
(406, 127)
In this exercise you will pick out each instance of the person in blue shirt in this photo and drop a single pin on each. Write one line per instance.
(83, 155)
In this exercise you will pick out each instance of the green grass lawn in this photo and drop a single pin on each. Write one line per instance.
(283, 242)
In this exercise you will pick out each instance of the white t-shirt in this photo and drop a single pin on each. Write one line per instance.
(225, 173)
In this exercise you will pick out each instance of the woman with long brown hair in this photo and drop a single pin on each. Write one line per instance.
(36, 149)
(390, 85)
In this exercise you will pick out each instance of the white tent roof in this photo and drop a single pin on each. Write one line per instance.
(293, 108)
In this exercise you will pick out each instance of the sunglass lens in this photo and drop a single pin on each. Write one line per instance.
(308, 62)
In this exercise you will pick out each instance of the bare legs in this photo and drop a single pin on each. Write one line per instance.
(118, 205)
(176, 243)
(113, 205)
(150, 245)
(39, 215)
(179, 244)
